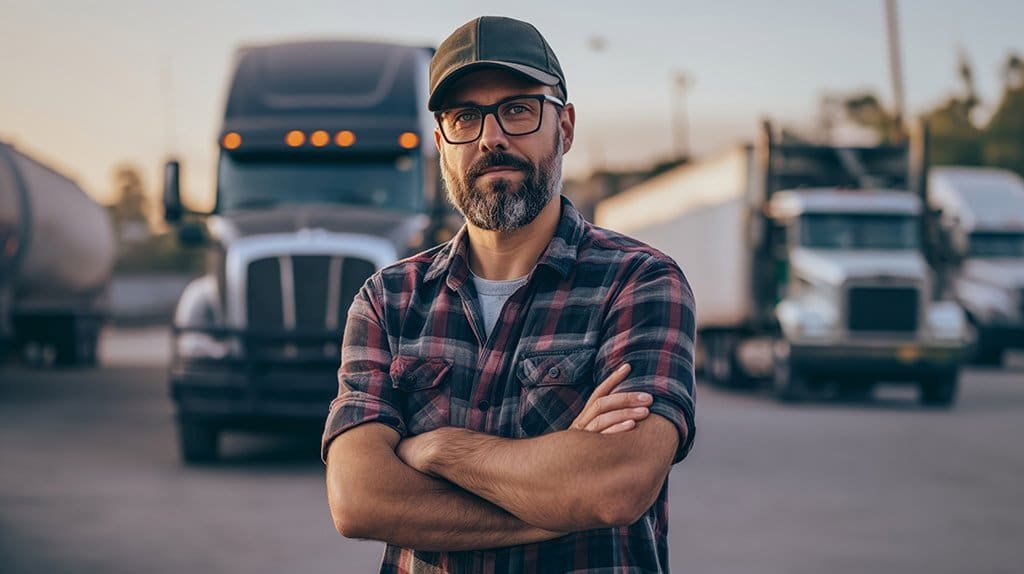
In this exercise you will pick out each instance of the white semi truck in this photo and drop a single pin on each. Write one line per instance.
(807, 267)
(979, 224)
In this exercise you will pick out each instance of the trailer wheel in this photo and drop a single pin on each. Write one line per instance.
(787, 383)
(940, 391)
(197, 440)
(719, 361)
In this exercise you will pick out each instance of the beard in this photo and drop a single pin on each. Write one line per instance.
(501, 205)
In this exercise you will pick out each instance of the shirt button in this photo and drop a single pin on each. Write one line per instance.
(554, 372)
(483, 405)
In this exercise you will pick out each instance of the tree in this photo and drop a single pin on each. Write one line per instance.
(131, 203)
(867, 110)
(1003, 138)
(955, 140)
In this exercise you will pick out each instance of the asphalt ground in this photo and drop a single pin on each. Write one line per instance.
(91, 482)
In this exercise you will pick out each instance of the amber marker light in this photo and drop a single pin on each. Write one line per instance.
(295, 138)
(408, 140)
(345, 138)
(319, 138)
(231, 140)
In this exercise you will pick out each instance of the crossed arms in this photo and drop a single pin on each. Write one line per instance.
(454, 489)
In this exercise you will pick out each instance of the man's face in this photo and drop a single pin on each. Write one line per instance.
(501, 182)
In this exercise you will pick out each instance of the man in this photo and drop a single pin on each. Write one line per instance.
(470, 432)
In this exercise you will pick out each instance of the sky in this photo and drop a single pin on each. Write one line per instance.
(86, 85)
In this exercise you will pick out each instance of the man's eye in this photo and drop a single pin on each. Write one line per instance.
(467, 116)
(515, 109)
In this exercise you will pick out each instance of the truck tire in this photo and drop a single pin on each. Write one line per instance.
(788, 384)
(988, 356)
(197, 440)
(720, 364)
(940, 390)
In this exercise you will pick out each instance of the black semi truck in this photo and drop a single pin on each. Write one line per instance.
(327, 172)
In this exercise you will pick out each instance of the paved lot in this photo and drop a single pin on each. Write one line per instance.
(91, 482)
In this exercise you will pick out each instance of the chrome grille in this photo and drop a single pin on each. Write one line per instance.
(882, 309)
(303, 295)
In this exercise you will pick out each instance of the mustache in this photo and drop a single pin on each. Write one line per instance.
(498, 159)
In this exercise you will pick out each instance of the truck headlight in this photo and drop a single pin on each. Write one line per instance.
(946, 320)
(201, 346)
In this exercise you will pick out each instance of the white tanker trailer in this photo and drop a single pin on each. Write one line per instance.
(57, 252)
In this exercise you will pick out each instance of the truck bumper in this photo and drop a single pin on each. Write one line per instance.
(907, 361)
(253, 395)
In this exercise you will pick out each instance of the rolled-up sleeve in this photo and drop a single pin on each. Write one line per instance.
(651, 325)
(365, 392)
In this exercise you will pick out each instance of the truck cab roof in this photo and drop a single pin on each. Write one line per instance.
(794, 203)
(980, 198)
(303, 82)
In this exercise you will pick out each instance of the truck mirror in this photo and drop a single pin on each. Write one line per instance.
(191, 234)
(172, 192)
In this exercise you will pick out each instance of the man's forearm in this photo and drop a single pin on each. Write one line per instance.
(567, 481)
(374, 495)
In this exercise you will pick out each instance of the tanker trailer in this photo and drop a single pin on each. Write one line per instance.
(57, 252)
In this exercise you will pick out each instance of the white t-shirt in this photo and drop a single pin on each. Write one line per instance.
(492, 296)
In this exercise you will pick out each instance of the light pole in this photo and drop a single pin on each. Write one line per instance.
(597, 45)
(681, 83)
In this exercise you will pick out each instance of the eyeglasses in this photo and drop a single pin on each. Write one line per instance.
(516, 115)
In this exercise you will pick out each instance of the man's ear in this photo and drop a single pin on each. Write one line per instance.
(437, 138)
(567, 119)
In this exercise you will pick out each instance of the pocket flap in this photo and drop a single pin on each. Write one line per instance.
(418, 373)
(555, 367)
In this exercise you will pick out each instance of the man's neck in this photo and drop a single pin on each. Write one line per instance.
(499, 256)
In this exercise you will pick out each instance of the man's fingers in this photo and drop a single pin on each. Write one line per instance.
(589, 412)
(620, 428)
(613, 380)
(610, 419)
(621, 401)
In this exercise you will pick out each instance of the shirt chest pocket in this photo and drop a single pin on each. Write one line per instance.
(424, 390)
(554, 387)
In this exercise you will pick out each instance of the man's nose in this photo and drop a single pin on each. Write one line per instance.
(492, 137)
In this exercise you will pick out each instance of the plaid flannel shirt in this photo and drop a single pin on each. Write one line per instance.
(415, 358)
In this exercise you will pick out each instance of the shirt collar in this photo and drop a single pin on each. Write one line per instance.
(560, 254)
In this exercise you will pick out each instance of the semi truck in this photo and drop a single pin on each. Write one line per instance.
(57, 254)
(978, 228)
(807, 266)
(327, 171)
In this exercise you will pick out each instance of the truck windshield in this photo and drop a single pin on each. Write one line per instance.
(846, 231)
(389, 182)
(997, 245)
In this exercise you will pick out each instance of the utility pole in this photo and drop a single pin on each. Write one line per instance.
(681, 83)
(896, 69)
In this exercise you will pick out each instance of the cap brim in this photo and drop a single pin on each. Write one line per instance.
(528, 72)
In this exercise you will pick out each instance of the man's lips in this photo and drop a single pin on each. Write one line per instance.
(498, 169)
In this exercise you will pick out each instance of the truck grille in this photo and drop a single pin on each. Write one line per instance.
(888, 309)
(301, 295)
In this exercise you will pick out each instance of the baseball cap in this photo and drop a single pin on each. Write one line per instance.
(493, 42)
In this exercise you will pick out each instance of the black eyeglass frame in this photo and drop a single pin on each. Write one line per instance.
(493, 110)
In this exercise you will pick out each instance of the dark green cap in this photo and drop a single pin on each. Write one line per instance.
(493, 42)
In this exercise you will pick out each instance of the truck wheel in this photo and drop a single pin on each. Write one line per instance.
(940, 391)
(988, 356)
(197, 441)
(720, 364)
(787, 383)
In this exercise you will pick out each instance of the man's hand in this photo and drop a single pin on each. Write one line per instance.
(608, 413)
(604, 413)
(415, 451)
